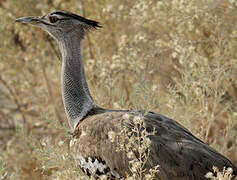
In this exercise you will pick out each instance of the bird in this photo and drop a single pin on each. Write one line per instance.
(177, 152)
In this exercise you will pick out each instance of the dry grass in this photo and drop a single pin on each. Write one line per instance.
(175, 57)
(226, 174)
(134, 140)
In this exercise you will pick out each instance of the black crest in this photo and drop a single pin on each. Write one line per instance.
(89, 22)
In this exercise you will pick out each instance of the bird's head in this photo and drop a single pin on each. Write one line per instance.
(59, 24)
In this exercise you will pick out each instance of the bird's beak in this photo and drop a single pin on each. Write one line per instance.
(29, 20)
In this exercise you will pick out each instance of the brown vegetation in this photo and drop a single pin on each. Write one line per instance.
(175, 57)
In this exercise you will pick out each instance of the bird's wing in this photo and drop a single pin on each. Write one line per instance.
(179, 154)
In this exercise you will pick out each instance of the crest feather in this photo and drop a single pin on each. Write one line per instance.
(90, 23)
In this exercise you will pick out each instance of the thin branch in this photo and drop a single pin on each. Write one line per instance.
(53, 47)
(15, 100)
(6, 117)
(7, 128)
(88, 36)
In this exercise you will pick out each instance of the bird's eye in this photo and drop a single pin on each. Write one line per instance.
(53, 19)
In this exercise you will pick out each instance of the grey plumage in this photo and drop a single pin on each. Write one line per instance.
(90, 23)
(76, 97)
(70, 30)
(179, 154)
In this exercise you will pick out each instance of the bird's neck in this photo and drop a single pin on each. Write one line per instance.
(75, 92)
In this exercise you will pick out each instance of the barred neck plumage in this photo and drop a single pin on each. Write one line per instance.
(75, 92)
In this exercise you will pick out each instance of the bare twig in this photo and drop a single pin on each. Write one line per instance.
(53, 47)
(88, 36)
(7, 128)
(15, 100)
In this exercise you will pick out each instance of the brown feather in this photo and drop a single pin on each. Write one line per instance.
(179, 154)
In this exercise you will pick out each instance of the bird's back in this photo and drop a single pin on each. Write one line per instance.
(179, 154)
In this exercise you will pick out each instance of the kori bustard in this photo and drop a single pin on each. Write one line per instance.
(179, 154)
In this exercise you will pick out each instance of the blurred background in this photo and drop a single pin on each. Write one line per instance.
(174, 57)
